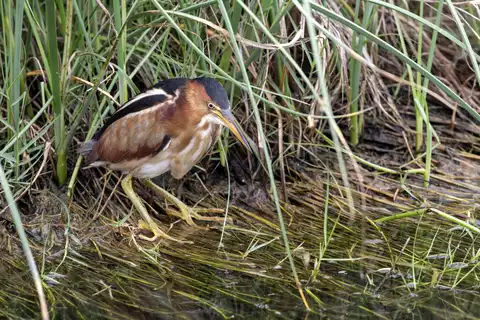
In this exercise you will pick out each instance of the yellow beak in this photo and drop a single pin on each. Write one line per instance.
(229, 121)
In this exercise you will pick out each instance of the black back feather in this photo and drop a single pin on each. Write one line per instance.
(168, 85)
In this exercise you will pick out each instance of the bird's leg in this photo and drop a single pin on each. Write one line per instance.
(148, 223)
(186, 212)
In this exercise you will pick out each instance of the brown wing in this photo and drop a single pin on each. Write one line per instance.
(135, 131)
(135, 136)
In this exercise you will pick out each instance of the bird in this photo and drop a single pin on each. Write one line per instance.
(168, 127)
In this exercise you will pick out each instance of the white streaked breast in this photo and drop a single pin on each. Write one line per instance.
(192, 144)
(204, 138)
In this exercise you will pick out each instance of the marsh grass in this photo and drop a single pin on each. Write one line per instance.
(383, 227)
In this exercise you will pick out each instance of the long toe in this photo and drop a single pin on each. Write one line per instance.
(158, 233)
(188, 214)
(184, 214)
(196, 215)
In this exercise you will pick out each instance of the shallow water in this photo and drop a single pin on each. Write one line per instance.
(122, 281)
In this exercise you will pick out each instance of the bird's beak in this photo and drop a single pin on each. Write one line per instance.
(229, 121)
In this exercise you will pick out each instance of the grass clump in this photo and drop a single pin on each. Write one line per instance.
(361, 197)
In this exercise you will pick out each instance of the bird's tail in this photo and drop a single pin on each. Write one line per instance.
(89, 151)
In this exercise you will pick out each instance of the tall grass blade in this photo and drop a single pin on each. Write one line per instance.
(13, 53)
(428, 129)
(25, 246)
(120, 12)
(265, 148)
(418, 115)
(355, 74)
(54, 81)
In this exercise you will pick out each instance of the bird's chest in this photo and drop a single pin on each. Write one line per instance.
(182, 153)
(190, 151)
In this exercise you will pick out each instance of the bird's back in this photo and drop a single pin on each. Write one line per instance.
(135, 131)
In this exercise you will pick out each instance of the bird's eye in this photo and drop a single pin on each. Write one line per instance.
(210, 105)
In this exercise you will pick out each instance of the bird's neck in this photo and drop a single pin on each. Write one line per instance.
(184, 119)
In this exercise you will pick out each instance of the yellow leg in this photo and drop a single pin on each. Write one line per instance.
(148, 223)
(186, 212)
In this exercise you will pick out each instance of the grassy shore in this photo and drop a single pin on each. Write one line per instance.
(360, 200)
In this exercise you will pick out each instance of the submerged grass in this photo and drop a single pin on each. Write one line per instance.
(384, 227)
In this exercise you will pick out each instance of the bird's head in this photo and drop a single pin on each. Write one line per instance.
(213, 105)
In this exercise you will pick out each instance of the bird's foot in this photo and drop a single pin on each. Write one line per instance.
(185, 212)
(150, 224)
(157, 232)
(188, 214)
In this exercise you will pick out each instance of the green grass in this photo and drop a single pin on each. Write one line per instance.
(359, 198)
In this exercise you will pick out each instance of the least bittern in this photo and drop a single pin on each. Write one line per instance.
(169, 127)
